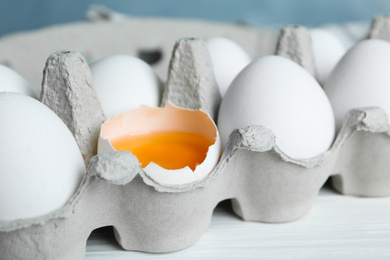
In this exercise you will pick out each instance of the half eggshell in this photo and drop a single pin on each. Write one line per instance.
(170, 118)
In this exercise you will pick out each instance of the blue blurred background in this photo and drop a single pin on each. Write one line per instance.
(20, 15)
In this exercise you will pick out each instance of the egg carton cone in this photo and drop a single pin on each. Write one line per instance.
(262, 182)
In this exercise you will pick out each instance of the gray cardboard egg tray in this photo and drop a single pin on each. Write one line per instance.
(262, 182)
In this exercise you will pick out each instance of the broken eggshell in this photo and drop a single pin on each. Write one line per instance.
(168, 119)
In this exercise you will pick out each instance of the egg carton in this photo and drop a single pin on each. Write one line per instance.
(150, 39)
(262, 182)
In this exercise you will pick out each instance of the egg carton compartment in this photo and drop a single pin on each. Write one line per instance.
(263, 183)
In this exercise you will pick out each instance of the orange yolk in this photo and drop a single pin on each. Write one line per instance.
(170, 150)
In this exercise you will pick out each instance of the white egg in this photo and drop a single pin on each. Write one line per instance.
(228, 60)
(360, 79)
(124, 82)
(11, 81)
(279, 94)
(328, 50)
(41, 165)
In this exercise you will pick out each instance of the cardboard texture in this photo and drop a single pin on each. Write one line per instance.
(67, 89)
(364, 161)
(380, 28)
(262, 182)
(294, 42)
(191, 82)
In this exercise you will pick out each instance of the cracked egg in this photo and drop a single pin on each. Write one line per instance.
(173, 145)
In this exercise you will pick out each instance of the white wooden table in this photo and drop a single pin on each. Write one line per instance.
(337, 227)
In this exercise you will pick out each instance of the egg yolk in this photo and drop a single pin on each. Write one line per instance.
(170, 150)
